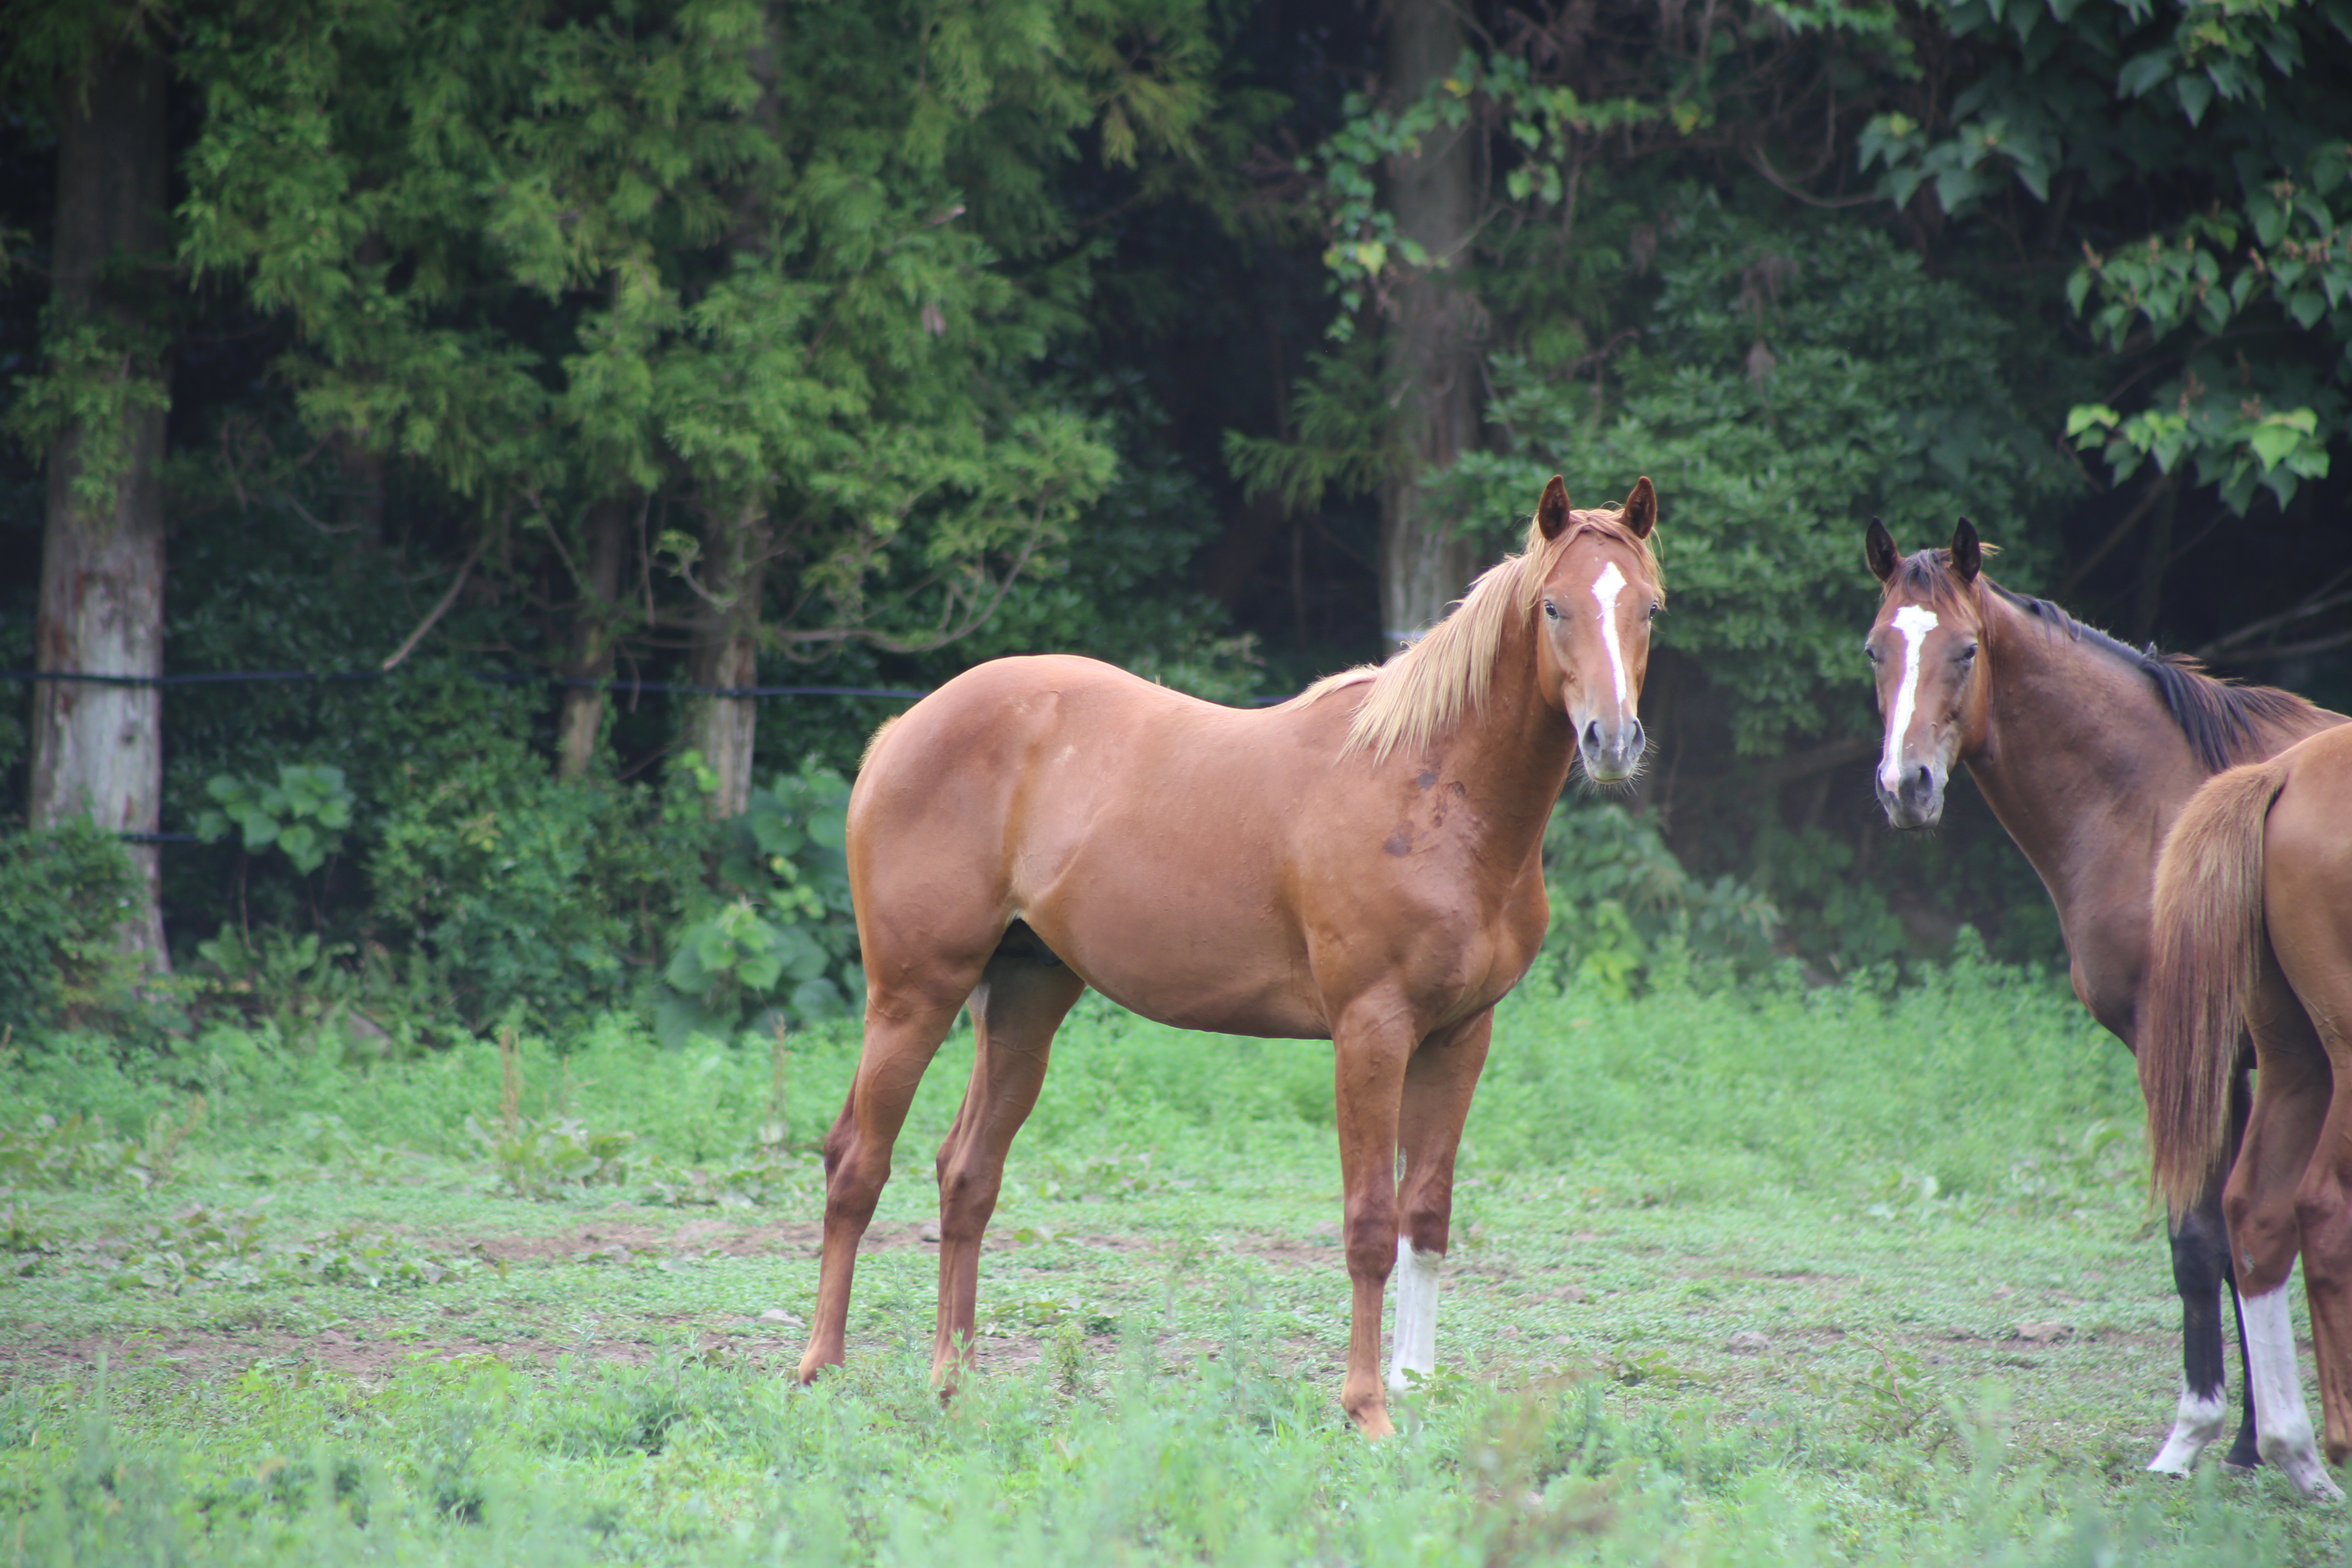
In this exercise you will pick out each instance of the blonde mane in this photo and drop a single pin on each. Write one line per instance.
(1424, 691)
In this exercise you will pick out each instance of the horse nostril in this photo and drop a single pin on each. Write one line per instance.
(1592, 736)
(1926, 781)
(1634, 740)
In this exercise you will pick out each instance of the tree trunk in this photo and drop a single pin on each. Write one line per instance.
(592, 640)
(1433, 359)
(726, 653)
(97, 747)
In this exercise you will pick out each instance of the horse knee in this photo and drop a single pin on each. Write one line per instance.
(1372, 1243)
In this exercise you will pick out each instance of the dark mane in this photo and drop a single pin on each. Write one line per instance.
(2218, 717)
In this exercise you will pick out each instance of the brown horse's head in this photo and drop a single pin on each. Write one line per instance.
(1922, 651)
(1600, 589)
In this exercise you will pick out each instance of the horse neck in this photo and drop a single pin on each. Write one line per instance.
(1511, 753)
(2085, 767)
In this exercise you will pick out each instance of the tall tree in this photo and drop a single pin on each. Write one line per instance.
(1433, 369)
(95, 411)
(782, 275)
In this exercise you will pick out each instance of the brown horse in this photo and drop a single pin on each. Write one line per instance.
(1362, 864)
(2253, 930)
(2085, 749)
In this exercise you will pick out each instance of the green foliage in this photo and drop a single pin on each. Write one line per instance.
(786, 936)
(303, 814)
(77, 1152)
(1624, 913)
(752, 257)
(551, 1157)
(94, 379)
(201, 1247)
(529, 894)
(1784, 387)
(1368, 252)
(62, 893)
(2235, 103)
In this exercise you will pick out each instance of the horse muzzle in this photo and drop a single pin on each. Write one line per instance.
(1917, 798)
(1611, 751)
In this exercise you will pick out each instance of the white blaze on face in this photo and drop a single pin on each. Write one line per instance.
(1605, 589)
(1913, 625)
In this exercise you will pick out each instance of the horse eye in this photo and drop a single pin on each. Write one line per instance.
(1870, 653)
(1551, 610)
(1655, 608)
(1967, 653)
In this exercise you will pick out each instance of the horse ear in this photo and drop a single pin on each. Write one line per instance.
(1552, 512)
(1878, 548)
(1968, 554)
(1640, 511)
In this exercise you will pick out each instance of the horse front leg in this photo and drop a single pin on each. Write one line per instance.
(1438, 1083)
(1370, 1056)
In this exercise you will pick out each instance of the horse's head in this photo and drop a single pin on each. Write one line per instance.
(1598, 594)
(1923, 652)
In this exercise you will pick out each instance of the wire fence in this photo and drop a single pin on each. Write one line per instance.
(631, 688)
(487, 676)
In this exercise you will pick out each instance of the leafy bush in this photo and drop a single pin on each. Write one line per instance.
(785, 938)
(61, 891)
(1623, 907)
(366, 997)
(303, 814)
(534, 897)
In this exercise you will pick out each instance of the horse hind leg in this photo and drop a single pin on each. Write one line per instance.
(2292, 1092)
(1022, 1001)
(2316, 944)
(1438, 1084)
(901, 1037)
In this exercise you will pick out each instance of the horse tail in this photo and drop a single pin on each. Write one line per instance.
(2204, 964)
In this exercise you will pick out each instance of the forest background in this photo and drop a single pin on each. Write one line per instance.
(526, 378)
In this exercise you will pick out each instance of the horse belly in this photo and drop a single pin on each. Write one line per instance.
(1183, 943)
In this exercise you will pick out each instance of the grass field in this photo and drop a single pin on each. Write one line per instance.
(1789, 1277)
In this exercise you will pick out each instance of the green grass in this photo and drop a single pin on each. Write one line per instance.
(1928, 1205)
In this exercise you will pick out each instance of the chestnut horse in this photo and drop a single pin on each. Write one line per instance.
(1362, 864)
(2253, 930)
(2085, 749)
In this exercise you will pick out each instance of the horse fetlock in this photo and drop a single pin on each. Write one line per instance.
(2294, 1456)
(2197, 1424)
